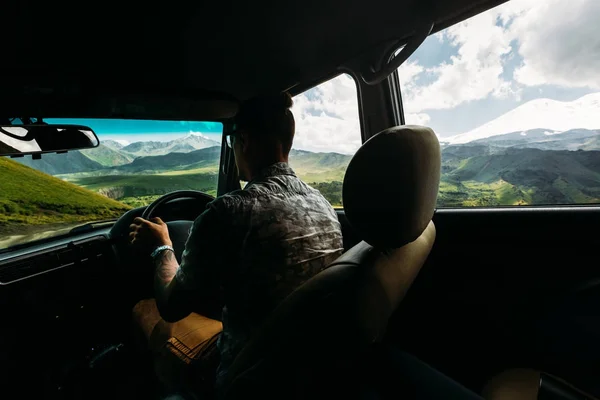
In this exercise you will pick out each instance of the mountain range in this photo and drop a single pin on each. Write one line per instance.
(542, 152)
(543, 139)
(551, 115)
(185, 144)
(110, 154)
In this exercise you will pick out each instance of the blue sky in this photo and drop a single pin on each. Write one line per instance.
(144, 130)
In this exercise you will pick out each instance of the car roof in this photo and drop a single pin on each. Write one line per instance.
(214, 52)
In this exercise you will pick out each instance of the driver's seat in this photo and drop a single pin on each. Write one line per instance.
(318, 342)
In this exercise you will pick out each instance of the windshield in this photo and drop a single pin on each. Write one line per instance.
(137, 161)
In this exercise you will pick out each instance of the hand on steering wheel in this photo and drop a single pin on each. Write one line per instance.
(175, 232)
(149, 234)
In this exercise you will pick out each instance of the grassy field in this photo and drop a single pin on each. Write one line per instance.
(137, 190)
(30, 197)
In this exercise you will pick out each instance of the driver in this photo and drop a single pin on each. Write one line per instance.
(250, 248)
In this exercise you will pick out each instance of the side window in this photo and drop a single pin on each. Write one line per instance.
(514, 97)
(327, 135)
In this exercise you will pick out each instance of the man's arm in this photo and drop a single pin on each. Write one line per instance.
(178, 289)
(170, 300)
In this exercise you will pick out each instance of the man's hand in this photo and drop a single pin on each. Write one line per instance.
(149, 234)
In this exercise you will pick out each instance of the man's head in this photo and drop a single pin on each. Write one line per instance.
(263, 133)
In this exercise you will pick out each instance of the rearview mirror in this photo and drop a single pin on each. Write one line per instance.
(19, 140)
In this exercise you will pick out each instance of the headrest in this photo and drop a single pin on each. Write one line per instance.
(391, 185)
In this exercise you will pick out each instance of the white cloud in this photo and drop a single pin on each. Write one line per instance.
(474, 73)
(557, 40)
(416, 118)
(327, 117)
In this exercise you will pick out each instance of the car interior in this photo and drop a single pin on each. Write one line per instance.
(503, 301)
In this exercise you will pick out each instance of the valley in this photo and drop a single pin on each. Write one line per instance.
(520, 168)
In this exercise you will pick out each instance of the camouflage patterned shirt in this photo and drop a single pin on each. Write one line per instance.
(256, 246)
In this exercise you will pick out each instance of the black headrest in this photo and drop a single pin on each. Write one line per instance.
(391, 185)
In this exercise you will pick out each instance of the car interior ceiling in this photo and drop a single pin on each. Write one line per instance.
(502, 288)
(221, 51)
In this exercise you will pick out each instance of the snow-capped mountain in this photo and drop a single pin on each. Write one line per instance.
(122, 142)
(551, 115)
(196, 140)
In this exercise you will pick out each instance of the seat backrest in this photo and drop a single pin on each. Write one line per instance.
(316, 340)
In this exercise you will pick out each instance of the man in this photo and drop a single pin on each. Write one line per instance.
(252, 247)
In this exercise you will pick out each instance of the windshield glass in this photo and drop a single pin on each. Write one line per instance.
(137, 161)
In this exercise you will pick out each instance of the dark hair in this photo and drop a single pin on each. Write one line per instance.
(269, 116)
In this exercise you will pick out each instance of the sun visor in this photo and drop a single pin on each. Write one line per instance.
(131, 103)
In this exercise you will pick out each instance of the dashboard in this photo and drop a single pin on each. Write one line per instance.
(64, 298)
(59, 301)
(75, 251)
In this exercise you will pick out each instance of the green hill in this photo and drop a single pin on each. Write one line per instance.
(519, 176)
(32, 197)
(208, 157)
(54, 164)
(319, 167)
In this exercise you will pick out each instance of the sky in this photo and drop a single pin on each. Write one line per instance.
(142, 130)
(472, 72)
(459, 79)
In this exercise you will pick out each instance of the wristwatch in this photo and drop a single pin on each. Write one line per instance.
(160, 249)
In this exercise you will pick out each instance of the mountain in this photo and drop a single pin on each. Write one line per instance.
(552, 115)
(203, 158)
(107, 155)
(32, 197)
(54, 164)
(195, 140)
(184, 144)
(305, 163)
(574, 139)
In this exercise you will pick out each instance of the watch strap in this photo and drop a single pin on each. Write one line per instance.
(160, 249)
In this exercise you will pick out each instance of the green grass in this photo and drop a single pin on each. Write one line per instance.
(323, 175)
(141, 190)
(202, 170)
(30, 197)
(139, 201)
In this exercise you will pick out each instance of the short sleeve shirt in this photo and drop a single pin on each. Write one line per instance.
(254, 246)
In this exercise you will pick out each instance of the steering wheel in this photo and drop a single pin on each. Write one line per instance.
(179, 231)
